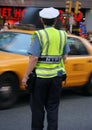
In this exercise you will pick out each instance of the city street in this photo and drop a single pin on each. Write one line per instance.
(36, 36)
(74, 113)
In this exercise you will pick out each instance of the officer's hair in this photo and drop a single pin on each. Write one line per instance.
(49, 22)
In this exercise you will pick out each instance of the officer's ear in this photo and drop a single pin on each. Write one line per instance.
(42, 21)
(55, 21)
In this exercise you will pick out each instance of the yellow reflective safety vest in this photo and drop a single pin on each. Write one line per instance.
(52, 43)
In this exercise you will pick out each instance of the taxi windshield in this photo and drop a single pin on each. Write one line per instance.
(15, 42)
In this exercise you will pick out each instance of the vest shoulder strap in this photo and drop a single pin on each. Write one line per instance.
(63, 38)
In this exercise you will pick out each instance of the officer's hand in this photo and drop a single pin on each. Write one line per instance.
(24, 81)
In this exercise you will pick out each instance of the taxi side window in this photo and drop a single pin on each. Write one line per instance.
(76, 47)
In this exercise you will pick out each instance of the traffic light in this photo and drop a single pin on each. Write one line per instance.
(77, 7)
(68, 6)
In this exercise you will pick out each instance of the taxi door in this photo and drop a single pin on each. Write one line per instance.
(77, 66)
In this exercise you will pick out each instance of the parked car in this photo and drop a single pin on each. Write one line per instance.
(14, 46)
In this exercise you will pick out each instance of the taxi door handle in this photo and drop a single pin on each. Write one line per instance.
(89, 61)
(78, 67)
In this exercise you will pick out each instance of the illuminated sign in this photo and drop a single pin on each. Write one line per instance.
(12, 12)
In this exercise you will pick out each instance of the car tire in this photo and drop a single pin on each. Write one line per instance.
(8, 90)
(88, 87)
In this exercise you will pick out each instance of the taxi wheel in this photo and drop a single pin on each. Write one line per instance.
(8, 90)
(88, 87)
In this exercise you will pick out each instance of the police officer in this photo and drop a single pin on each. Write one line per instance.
(48, 52)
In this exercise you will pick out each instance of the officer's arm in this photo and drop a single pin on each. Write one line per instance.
(64, 57)
(66, 51)
(34, 53)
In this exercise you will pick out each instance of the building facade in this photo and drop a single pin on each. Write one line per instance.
(44, 3)
(13, 10)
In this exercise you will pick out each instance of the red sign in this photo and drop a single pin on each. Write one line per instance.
(12, 12)
(78, 17)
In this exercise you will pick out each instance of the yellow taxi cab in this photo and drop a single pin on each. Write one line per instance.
(14, 44)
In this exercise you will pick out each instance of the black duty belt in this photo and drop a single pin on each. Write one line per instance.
(50, 59)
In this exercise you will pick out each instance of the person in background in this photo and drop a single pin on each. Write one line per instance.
(89, 37)
(5, 27)
(47, 54)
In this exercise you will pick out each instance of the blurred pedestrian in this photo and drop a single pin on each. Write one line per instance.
(5, 27)
(90, 36)
(47, 54)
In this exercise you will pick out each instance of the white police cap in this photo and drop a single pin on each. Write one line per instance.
(49, 13)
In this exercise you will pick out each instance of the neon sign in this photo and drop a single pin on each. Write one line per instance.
(12, 12)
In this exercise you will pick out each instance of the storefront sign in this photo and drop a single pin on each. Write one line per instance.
(12, 12)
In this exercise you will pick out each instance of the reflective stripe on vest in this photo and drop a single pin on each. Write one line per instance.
(53, 72)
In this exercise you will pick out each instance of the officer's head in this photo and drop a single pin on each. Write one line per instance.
(49, 16)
